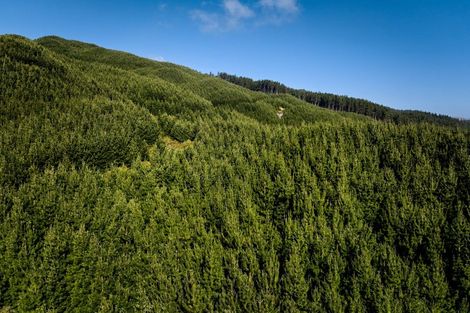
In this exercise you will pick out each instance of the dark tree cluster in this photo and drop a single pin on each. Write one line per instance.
(345, 103)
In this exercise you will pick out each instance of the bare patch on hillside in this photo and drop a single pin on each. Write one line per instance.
(174, 144)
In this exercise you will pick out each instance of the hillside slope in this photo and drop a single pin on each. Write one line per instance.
(217, 91)
(347, 104)
(140, 186)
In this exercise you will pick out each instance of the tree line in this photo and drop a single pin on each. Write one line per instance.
(345, 103)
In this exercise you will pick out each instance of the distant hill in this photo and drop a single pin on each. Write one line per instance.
(131, 185)
(346, 104)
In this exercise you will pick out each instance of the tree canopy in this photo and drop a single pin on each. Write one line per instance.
(134, 185)
(346, 104)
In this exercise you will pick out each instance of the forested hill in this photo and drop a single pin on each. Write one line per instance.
(130, 185)
(345, 104)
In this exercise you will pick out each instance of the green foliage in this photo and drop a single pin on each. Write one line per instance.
(130, 185)
(346, 104)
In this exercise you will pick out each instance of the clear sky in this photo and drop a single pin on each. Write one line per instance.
(406, 54)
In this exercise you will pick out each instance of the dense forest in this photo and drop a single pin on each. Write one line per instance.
(130, 185)
(346, 104)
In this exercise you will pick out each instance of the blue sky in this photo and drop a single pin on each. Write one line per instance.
(406, 54)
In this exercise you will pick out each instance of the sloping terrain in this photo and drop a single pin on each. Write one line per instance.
(347, 104)
(134, 185)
